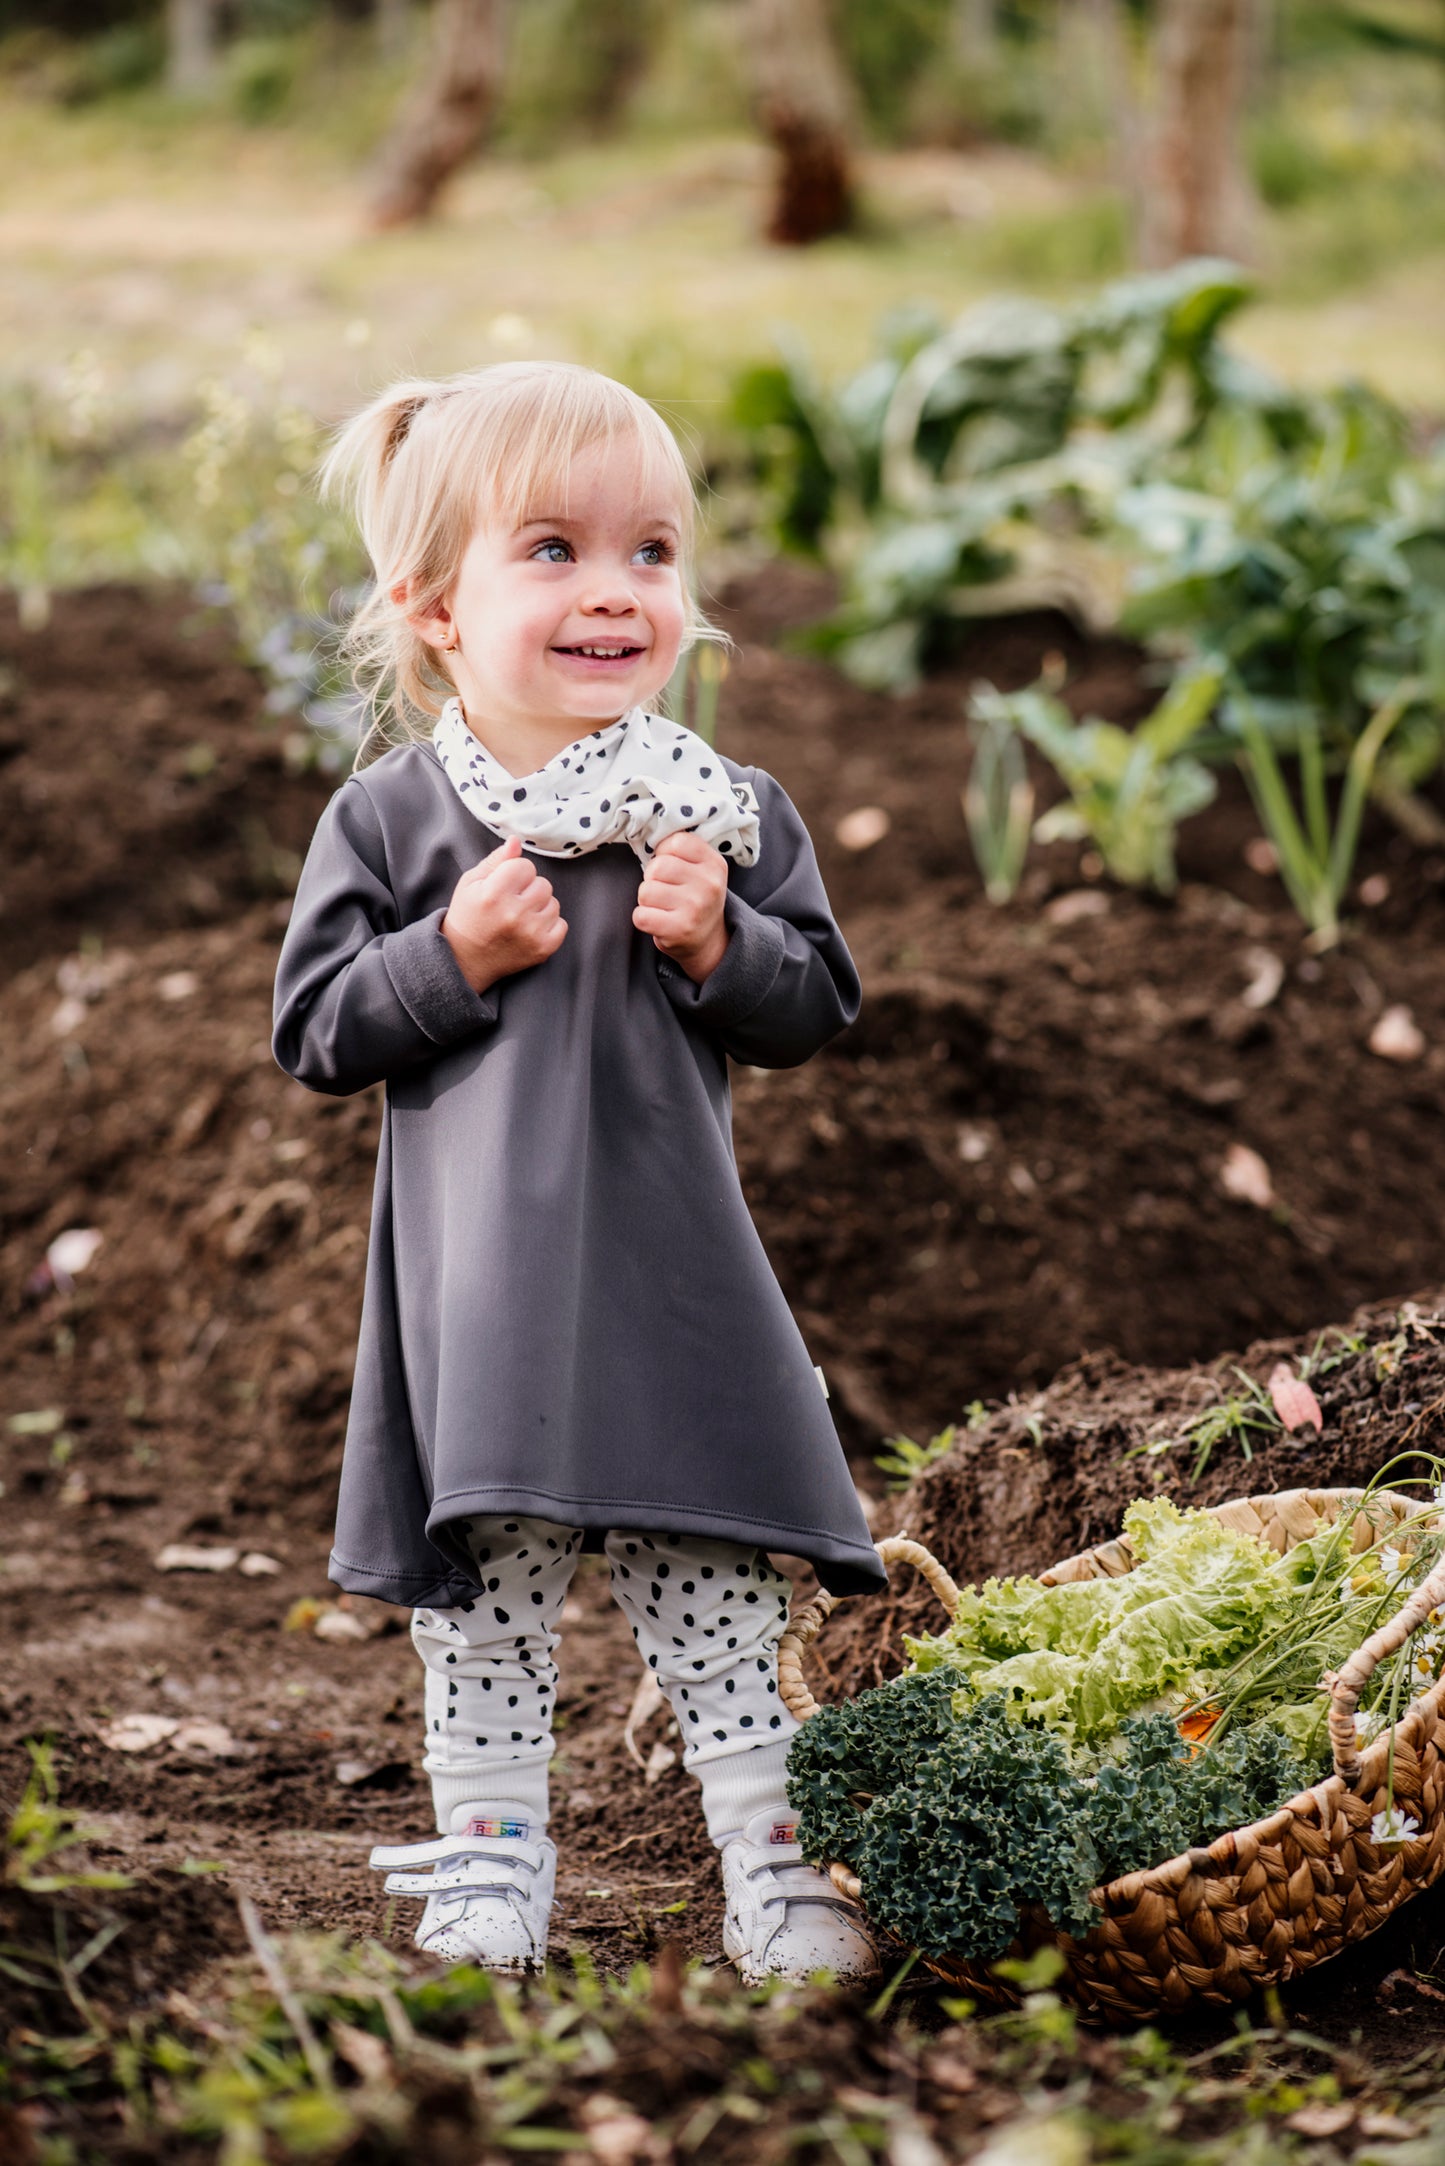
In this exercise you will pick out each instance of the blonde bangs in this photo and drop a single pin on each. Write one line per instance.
(425, 463)
(518, 467)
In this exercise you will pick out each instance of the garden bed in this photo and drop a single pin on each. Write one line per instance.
(1014, 1161)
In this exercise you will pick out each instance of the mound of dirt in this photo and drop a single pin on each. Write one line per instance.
(1046, 1475)
(1024, 1162)
(1023, 1151)
(144, 784)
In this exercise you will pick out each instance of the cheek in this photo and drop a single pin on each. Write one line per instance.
(669, 617)
(520, 631)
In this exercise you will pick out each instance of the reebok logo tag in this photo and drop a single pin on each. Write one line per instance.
(784, 1831)
(511, 1831)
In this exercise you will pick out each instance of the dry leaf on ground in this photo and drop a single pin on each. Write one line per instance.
(1266, 976)
(1294, 1402)
(647, 1701)
(192, 1557)
(1397, 1036)
(137, 1733)
(1321, 2120)
(210, 1740)
(861, 829)
(1245, 1176)
(659, 1760)
(1078, 903)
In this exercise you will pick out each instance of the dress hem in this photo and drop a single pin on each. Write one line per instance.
(843, 1567)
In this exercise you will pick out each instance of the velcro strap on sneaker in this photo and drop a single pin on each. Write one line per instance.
(443, 1849)
(474, 1876)
(804, 1885)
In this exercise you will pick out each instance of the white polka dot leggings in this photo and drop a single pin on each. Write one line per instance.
(706, 1616)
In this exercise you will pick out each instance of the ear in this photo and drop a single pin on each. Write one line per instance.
(436, 626)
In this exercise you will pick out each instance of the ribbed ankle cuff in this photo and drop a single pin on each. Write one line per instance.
(515, 1782)
(741, 1784)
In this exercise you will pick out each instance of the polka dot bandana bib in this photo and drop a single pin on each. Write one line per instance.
(636, 781)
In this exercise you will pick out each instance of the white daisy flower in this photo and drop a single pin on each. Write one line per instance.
(1393, 1563)
(1368, 1726)
(1389, 1829)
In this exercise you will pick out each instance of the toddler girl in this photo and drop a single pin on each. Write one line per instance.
(571, 1338)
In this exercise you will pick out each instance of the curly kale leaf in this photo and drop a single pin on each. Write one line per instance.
(1155, 1799)
(846, 1756)
(993, 1822)
(955, 1824)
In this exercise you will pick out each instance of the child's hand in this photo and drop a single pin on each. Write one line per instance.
(503, 917)
(680, 902)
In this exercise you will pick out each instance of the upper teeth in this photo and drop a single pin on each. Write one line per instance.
(605, 654)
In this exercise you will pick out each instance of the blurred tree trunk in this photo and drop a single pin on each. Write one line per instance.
(804, 105)
(448, 116)
(1195, 193)
(190, 45)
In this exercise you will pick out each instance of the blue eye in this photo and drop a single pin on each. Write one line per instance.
(553, 552)
(655, 552)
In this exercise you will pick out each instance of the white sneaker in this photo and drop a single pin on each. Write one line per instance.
(489, 1893)
(784, 1919)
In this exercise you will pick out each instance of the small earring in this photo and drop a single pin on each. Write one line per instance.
(450, 646)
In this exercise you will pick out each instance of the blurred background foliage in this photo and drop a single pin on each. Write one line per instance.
(224, 221)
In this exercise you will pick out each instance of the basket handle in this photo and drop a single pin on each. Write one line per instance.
(805, 1627)
(1346, 1685)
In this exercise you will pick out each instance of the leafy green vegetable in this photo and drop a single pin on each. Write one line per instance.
(957, 1827)
(1057, 1737)
(847, 1754)
(1157, 1799)
(1316, 856)
(930, 476)
(1086, 1654)
(1027, 455)
(1128, 790)
(991, 1823)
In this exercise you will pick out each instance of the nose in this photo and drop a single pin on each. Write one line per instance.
(610, 594)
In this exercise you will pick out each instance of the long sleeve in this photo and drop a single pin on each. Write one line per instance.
(361, 996)
(787, 983)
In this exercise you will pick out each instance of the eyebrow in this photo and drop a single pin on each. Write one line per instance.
(564, 519)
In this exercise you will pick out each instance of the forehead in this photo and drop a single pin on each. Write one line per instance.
(622, 478)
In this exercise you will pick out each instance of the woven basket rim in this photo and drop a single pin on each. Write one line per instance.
(1219, 1854)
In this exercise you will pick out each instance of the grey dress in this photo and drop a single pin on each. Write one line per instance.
(568, 1310)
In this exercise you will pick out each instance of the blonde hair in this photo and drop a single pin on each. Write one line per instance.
(425, 460)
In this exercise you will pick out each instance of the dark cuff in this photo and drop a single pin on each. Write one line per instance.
(743, 979)
(427, 980)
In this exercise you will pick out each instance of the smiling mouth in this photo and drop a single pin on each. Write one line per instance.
(592, 652)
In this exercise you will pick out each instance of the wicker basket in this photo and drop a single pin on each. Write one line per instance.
(1261, 1904)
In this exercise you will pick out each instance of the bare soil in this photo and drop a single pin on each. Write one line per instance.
(1008, 1172)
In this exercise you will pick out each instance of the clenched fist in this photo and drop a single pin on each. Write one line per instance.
(680, 902)
(503, 917)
